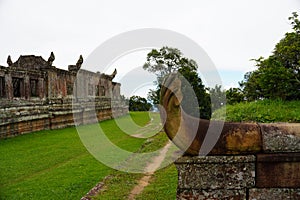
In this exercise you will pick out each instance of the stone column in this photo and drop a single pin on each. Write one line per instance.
(41, 88)
(27, 90)
(108, 92)
(8, 86)
(52, 84)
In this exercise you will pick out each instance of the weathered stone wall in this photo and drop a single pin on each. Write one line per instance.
(59, 113)
(35, 95)
(21, 117)
(272, 173)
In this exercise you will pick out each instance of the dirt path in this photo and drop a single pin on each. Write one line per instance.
(151, 128)
(150, 168)
(144, 181)
(95, 190)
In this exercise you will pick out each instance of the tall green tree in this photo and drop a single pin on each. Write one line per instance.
(153, 95)
(234, 95)
(278, 76)
(168, 60)
(137, 103)
(218, 97)
(287, 51)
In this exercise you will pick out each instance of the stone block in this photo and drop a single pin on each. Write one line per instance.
(278, 170)
(216, 172)
(239, 138)
(222, 194)
(270, 194)
(295, 194)
(281, 137)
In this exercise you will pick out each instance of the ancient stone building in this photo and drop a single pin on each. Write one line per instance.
(35, 95)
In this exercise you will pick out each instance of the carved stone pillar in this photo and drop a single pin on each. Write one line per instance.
(41, 88)
(27, 89)
(8, 86)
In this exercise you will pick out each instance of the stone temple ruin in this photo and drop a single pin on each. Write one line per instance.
(35, 95)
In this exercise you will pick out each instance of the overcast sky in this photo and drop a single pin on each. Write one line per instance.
(230, 31)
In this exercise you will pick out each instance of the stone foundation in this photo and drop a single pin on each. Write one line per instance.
(273, 172)
(20, 119)
(236, 177)
(215, 177)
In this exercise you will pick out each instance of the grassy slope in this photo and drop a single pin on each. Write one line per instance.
(263, 111)
(54, 164)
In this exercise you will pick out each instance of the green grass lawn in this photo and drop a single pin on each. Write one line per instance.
(263, 111)
(53, 164)
(47, 165)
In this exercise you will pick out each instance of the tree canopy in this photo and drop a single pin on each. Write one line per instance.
(278, 76)
(168, 60)
(234, 95)
(137, 103)
(218, 97)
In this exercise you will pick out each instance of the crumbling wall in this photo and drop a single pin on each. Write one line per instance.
(35, 95)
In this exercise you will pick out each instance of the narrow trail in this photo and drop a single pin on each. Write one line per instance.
(151, 168)
(147, 131)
